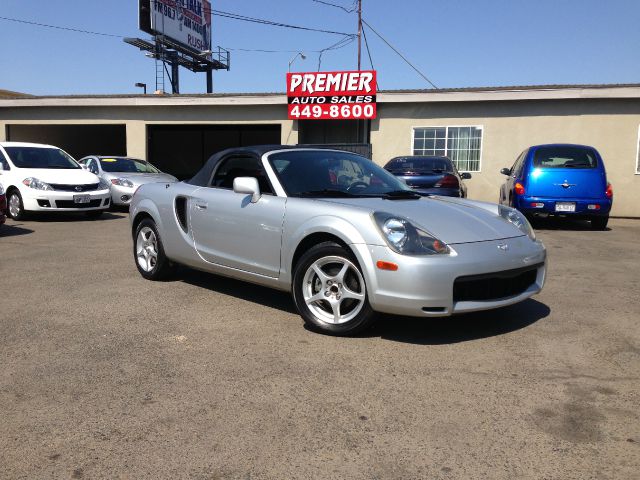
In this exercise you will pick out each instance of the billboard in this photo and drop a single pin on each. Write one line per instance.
(332, 95)
(187, 22)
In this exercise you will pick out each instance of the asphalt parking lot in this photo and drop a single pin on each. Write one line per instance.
(106, 375)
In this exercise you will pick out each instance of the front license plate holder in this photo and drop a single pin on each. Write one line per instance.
(566, 207)
(81, 199)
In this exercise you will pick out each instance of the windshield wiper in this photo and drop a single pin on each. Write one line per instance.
(327, 192)
(401, 195)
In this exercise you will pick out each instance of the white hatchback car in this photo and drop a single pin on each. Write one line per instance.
(43, 178)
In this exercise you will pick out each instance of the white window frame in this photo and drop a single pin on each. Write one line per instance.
(638, 153)
(479, 127)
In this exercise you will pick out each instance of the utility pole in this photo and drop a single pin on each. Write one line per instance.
(359, 30)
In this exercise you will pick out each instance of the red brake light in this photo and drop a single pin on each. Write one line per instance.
(519, 188)
(609, 191)
(448, 181)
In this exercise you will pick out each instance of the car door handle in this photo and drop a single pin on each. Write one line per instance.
(200, 205)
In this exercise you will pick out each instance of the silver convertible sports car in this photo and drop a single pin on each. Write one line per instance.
(346, 237)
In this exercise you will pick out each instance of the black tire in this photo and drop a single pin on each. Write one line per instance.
(20, 215)
(600, 222)
(93, 214)
(162, 268)
(316, 315)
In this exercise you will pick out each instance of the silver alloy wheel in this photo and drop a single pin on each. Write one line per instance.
(14, 205)
(334, 290)
(147, 249)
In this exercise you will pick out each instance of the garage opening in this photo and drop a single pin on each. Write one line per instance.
(351, 135)
(77, 140)
(182, 150)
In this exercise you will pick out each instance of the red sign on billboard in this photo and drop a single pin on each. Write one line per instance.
(332, 95)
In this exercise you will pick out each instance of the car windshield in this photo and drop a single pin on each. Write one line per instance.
(38, 157)
(129, 165)
(419, 164)
(327, 173)
(565, 157)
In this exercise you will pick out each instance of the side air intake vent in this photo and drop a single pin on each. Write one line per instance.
(181, 212)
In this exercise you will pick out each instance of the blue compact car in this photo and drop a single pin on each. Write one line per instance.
(559, 179)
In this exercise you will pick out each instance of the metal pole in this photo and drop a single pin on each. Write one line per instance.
(175, 81)
(359, 30)
(210, 80)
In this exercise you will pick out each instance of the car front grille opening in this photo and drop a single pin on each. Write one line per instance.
(434, 309)
(72, 204)
(494, 286)
(44, 203)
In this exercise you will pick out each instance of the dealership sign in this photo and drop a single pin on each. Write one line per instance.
(187, 22)
(332, 95)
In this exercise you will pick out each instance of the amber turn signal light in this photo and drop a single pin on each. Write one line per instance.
(386, 266)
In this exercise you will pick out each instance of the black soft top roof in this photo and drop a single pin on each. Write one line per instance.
(202, 178)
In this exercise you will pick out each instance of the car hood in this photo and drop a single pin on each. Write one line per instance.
(141, 178)
(451, 220)
(60, 176)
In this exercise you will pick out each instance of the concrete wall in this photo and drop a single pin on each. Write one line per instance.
(610, 125)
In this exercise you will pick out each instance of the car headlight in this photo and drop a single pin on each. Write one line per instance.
(103, 184)
(1, 190)
(33, 182)
(122, 182)
(517, 219)
(405, 238)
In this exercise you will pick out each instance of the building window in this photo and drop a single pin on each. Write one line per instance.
(463, 145)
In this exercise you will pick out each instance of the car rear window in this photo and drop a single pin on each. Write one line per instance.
(420, 164)
(565, 157)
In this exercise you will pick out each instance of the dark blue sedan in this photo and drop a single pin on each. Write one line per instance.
(430, 175)
(559, 179)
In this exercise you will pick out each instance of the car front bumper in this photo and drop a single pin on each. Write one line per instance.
(122, 195)
(423, 286)
(59, 201)
(547, 206)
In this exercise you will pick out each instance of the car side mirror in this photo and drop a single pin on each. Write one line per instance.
(465, 175)
(84, 167)
(1, 167)
(248, 186)
(506, 171)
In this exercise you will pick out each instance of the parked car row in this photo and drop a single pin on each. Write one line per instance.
(44, 178)
(554, 179)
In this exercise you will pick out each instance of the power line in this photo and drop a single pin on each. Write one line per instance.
(340, 44)
(400, 54)
(348, 10)
(366, 44)
(70, 29)
(244, 18)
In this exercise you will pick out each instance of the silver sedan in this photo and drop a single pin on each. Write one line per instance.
(347, 238)
(124, 175)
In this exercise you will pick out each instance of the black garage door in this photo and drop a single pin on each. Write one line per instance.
(78, 140)
(182, 149)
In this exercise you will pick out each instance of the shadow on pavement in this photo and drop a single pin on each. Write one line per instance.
(421, 331)
(72, 217)
(560, 223)
(459, 328)
(13, 230)
(238, 289)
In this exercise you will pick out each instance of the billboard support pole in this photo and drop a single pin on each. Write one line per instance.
(210, 81)
(175, 78)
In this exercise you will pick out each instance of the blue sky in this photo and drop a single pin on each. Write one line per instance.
(456, 43)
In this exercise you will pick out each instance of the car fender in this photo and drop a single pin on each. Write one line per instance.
(338, 227)
(146, 205)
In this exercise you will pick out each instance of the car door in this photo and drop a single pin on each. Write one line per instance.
(231, 231)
